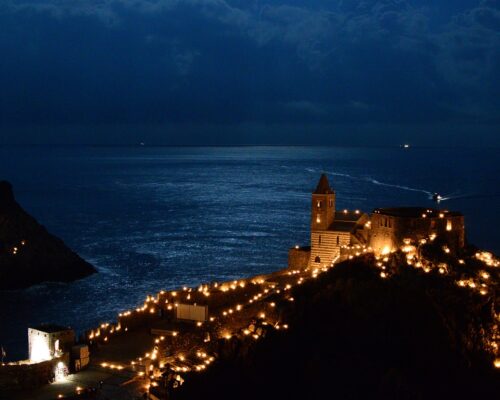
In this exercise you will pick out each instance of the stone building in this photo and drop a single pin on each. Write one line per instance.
(49, 341)
(391, 228)
(385, 230)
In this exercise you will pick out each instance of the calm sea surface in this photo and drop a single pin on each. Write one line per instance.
(158, 218)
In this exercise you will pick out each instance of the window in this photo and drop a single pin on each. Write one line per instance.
(318, 219)
(318, 204)
(317, 259)
(330, 203)
(449, 225)
(338, 240)
(319, 239)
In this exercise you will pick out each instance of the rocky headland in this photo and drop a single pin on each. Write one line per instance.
(29, 254)
(372, 326)
(396, 326)
(353, 335)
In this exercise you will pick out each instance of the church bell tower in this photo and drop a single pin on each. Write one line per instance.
(323, 206)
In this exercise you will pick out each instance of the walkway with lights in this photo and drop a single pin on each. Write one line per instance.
(133, 355)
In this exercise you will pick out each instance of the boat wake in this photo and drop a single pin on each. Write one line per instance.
(375, 182)
(468, 196)
(407, 188)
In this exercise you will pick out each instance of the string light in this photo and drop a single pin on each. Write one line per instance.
(257, 294)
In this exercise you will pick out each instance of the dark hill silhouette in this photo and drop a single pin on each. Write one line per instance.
(354, 335)
(28, 253)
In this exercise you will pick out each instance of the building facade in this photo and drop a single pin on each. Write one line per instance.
(391, 228)
(49, 341)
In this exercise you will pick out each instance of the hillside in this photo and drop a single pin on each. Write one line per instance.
(353, 335)
(28, 253)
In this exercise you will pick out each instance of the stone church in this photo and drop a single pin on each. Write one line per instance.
(385, 230)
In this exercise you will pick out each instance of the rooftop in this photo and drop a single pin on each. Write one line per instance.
(302, 248)
(348, 215)
(414, 212)
(342, 226)
(51, 328)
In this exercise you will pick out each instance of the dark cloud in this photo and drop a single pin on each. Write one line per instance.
(215, 63)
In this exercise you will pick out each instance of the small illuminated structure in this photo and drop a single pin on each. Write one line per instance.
(49, 341)
(60, 372)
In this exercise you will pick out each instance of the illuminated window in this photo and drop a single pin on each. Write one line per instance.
(330, 203)
(318, 219)
(449, 226)
(318, 204)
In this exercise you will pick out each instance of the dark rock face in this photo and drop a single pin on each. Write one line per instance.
(28, 253)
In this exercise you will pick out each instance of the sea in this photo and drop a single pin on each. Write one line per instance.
(153, 218)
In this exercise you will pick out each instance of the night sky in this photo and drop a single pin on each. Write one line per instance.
(333, 72)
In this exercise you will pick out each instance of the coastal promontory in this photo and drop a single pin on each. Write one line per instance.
(29, 254)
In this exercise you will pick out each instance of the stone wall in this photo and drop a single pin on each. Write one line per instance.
(326, 245)
(23, 375)
(298, 258)
(46, 341)
(389, 232)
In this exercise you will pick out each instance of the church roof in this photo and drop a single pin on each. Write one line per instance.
(342, 226)
(323, 186)
(351, 216)
(51, 328)
(414, 212)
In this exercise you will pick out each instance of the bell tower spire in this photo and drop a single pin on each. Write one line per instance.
(323, 205)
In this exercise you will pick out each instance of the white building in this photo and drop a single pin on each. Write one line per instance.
(49, 341)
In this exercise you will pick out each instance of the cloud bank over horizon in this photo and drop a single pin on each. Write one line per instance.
(262, 71)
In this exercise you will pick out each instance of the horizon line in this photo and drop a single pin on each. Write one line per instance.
(139, 145)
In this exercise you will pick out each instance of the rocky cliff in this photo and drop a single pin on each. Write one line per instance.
(28, 253)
